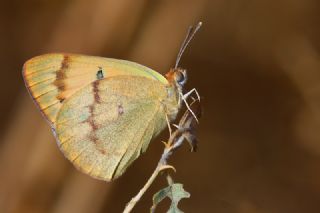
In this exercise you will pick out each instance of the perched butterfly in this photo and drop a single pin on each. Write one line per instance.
(104, 112)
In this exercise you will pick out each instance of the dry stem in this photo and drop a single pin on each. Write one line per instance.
(175, 141)
(162, 164)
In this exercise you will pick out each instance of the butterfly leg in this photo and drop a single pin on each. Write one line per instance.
(190, 110)
(185, 96)
(169, 126)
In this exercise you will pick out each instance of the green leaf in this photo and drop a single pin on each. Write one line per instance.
(175, 192)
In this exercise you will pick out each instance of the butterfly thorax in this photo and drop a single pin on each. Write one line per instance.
(177, 78)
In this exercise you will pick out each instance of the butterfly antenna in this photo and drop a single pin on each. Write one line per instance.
(190, 34)
(182, 46)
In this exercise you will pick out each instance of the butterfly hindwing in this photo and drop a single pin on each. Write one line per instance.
(103, 127)
(53, 78)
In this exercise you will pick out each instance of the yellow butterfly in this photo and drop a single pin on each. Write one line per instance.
(104, 112)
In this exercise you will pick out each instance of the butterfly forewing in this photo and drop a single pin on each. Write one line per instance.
(53, 78)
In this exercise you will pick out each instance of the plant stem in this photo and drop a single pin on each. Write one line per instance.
(162, 164)
(136, 198)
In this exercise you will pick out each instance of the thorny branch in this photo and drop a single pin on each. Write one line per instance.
(185, 131)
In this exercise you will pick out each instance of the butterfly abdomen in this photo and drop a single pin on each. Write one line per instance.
(171, 103)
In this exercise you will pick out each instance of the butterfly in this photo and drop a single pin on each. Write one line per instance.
(102, 111)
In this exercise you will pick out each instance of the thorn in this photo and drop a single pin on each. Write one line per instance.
(166, 144)
(176, 126)
(163, 167)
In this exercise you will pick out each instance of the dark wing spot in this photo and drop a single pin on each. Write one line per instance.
(95, 86)
(100, 74)
(60, 98)
(102, 151)
(120, 109)
(92, 136)
(60, 76)
(93, 125)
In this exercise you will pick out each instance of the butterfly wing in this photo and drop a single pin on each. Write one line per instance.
(53, 78)
(103, 127)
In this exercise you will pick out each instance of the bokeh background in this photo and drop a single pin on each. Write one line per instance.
(256, 65)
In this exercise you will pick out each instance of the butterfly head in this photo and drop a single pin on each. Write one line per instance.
(177, 77)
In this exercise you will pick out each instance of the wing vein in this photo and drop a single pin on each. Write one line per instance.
(148, 123)
(40, 82)
(39, 96)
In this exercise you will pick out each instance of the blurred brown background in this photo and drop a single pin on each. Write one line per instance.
(255, 63)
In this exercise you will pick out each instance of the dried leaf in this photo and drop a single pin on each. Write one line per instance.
(175, 192)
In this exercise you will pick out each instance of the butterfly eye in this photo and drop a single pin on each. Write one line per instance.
(181, 77)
